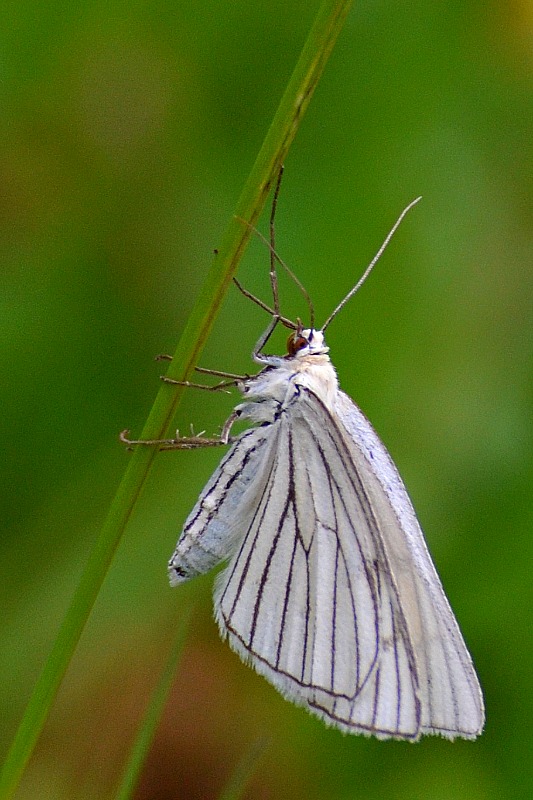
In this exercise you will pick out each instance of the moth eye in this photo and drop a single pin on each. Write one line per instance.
(296, 342)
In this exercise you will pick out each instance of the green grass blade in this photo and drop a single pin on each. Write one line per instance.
(244, 770)
(146, 732)
(292, 107)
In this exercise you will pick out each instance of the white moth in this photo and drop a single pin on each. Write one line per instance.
(329, 591)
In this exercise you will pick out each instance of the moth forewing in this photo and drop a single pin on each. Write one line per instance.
(452, 702)
(212, 529)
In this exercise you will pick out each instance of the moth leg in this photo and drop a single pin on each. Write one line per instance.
(221, 374)
(231, 378)
(185, 442)
(263, 358)
(287, 323)
(217, 387)
(205, 371)
(258, 356)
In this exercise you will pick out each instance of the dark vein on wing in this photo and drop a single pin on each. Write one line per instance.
(334, 491)
(382, 563)
(288, 589)
(292, 498)
(334, 628)
(376, 698)
(235, 451)
(336, 494)
(260, 508)
(397, 668)
(275, 540)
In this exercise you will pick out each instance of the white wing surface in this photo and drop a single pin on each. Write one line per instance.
(449, 690)
(330, 592)
(214, 527)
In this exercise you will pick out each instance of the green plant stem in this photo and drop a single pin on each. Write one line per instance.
(244, 770)
(146, 731)
(292, 107)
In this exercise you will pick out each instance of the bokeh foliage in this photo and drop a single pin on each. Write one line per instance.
(128, 131)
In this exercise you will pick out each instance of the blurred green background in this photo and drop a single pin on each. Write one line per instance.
(127, 132)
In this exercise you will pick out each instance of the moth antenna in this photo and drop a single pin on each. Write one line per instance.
(372, 264)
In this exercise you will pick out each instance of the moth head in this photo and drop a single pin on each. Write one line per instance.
(306, 342)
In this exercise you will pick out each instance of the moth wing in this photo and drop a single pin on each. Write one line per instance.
(211, 531)
(448, 688)
(309, 598)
